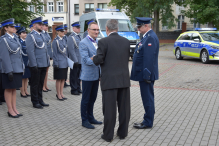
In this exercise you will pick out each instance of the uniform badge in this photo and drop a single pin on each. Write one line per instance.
(149, 44)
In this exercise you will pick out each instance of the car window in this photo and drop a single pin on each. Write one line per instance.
(187, 36)
(210, 36)
(195, 36)
(181, 38)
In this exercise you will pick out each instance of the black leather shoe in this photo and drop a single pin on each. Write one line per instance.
(142, 126)
(120, 137)
(24, 96)
(44, 104)
(59, 99)
(75, 93)
(96, 122)
(28, 95)
(79, 91)
(66, 85)
(20, 115)
(45, 91)
(137, 124)
(12, 116)
(39, 106)
(64, 98)
(48, 89)
(107, 140)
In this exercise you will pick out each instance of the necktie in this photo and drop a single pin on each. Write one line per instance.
(79, 37)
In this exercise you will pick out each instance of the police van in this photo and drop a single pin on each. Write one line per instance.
(203, 43)
(102, 15)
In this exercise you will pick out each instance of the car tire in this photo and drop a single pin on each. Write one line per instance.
(204, 57)
(178, 54)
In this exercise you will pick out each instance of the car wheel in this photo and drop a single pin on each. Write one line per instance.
(204, 57)
(178, 54)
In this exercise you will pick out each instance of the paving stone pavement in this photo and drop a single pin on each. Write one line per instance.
(186, 104)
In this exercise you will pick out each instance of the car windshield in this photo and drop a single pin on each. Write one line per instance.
(124, 25)
(210, 36)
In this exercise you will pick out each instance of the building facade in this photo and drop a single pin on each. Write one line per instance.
(56, 11)
(79, 7)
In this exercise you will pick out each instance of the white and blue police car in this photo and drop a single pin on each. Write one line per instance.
(203, 43)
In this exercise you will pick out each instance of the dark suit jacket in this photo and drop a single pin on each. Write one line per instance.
(113, 57)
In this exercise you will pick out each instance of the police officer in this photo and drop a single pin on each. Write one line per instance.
(38, 62)
(49, 49)
(31, 27)
(73, 43)
(145, 69)
(66, 39)
(22, 36)
(2, 98)
(60, 62)
(88, 22)
(12, 65)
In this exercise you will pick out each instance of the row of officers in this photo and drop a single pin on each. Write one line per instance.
(27, 56)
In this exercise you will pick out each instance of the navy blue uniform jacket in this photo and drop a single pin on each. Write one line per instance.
(145, 60)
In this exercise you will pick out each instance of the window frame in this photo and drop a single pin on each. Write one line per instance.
(89, 7)
(102, 5)
(48, 6)
(57, 6)
(75, 9)
(33, 8)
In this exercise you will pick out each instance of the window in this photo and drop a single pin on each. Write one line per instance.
(89, 8)
(42, 9)
(124, 25)
(187, 36)
(180, 21)
(195, 36)
(60, 7)
(76, 9)
(102, 5)
(32, 8)
(50, 7)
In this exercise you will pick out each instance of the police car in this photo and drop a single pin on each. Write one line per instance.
(203, 43)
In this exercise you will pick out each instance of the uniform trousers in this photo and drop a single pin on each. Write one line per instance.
(37, 81)
(74, 78)
(111, 98)
(2, 99)
(89, 96)
(147, 95)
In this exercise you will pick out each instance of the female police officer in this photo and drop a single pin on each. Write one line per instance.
(12, 65)
(22, 36)
(60, 63)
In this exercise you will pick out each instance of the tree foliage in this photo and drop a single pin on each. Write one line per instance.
(161, 10)
(19, 10)
(203, 11)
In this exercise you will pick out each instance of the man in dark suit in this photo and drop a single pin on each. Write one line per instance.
(113, 57)
(145, 69)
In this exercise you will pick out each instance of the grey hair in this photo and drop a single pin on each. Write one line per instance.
(112, 24)
(149, 25)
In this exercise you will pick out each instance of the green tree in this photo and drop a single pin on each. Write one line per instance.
(19, 10)
(160, 9)
(203, 11)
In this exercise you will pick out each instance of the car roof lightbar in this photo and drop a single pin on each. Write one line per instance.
(205, 29)
(107, 10)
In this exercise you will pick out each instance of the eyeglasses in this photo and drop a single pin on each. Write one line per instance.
(95, 29)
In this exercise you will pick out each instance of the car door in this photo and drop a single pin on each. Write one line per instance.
(194, 46)
(186, 44)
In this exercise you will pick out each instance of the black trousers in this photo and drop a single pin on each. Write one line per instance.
(74, 78)
(2, 98)
(37, 80)
(112, 98)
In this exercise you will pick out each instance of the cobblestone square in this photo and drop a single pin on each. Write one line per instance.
(186, 105)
